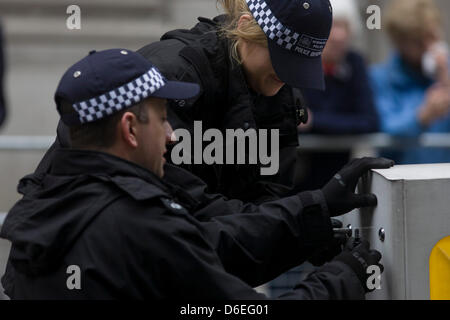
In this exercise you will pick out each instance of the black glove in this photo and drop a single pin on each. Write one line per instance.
(330, 250)
(359, 257)
(340, 194)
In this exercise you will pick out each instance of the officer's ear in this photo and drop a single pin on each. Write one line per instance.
(244, 20)
(128, 129)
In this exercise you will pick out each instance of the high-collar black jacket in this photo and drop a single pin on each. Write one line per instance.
(132, 237)
(202, 56)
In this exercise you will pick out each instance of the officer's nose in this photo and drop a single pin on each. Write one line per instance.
(170, 135)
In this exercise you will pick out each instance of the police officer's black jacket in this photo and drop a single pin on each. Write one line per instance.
(202, 55)
(132, 236)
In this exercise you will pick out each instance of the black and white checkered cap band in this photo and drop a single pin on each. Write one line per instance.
(125, 96)
(282, 35)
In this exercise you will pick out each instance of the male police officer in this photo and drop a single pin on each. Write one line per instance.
(101, 223)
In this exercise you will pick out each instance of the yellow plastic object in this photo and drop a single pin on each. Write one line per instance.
(440, 270)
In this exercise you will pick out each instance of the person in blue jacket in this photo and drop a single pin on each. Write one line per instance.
(412, 89)
(346, 106)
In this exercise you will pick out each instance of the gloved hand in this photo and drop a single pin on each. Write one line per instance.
(359, 257)
(340, 191)
(330, 250)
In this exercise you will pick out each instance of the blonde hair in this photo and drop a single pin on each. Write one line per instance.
(411, 18)
(250, 31)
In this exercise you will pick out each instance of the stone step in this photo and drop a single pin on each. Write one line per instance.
(31, 27)
(102, 8)
(53, 30)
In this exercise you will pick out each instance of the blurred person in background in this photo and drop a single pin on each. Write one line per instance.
(346, 106)
(2, 70)
(412, 88)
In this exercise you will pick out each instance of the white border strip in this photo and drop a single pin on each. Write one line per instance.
(26, 143)
(2, 218)
(307, 142)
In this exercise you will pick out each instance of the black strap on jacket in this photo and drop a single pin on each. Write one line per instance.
(301, 111)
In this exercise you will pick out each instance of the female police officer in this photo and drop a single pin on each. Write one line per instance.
(247, 63)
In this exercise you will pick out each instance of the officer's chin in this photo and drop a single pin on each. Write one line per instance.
(160, 173)
(273, 88)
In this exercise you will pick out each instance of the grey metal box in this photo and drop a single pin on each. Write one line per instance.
(414, 210)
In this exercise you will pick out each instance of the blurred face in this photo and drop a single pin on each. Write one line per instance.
(412, 49)
(152, 137)
(258, 69)
(338, 43)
